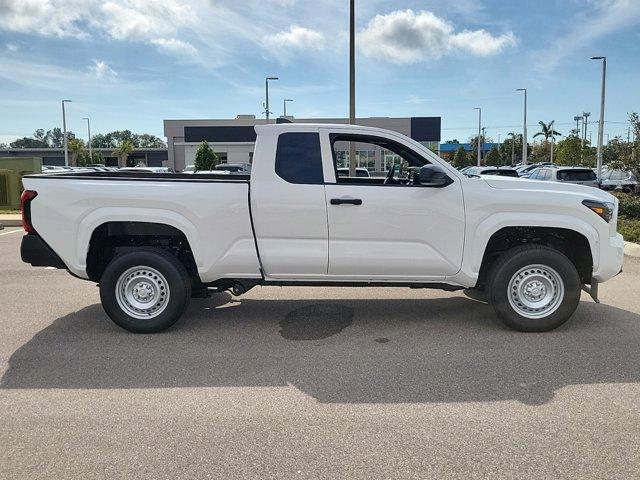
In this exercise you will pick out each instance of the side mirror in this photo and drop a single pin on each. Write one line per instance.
(433, 176)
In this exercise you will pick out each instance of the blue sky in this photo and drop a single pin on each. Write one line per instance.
(133, 63)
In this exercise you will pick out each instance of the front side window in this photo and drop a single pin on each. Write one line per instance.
(298, 158)
(386, 161)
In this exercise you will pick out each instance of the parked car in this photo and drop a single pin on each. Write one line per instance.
(619, 180)
(360, 172)
(189, 169)
(151, 242)
(525, 171)
(147, 169)
(237, 168)
(501, 171)
(577, 175)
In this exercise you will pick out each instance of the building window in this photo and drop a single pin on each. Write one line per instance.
(222, 156)
(250, 157)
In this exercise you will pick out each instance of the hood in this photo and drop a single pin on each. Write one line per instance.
(522, 184)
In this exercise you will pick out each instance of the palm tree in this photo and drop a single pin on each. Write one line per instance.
(76, 149)
(546, 129)
(123, 151)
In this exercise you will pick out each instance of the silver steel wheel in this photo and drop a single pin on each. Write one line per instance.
(142, 292)
(536, 291)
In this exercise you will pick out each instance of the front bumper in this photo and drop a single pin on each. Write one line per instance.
(611, 258)
(35, 251)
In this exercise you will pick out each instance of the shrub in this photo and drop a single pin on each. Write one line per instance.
(629, 205)
(629, 228)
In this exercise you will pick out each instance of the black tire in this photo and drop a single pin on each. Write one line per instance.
(176, 285)
(514, 261)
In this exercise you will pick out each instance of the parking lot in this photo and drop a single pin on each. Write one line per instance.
(314, 383)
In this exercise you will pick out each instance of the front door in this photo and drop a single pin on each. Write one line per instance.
(391, 228)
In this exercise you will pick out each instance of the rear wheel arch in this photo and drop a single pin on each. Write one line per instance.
(114, 238)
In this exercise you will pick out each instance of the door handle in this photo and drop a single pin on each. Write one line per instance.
(346, 201)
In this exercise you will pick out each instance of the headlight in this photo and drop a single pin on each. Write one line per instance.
(602, 209)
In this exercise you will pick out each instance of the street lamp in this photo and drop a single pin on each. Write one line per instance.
(284, 102)
(64, 133)
(601, 124)
(89, 135)
(524, 127)
(479, 133)
(266, 88)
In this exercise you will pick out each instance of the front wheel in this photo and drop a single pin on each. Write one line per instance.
(534, 288)
(145, 291)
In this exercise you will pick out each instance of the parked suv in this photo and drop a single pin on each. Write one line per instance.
(618, 180)
(578, 175)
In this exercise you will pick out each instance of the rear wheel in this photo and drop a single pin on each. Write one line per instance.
(145, 291)
(534, 288)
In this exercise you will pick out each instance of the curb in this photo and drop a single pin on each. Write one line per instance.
(632, 249)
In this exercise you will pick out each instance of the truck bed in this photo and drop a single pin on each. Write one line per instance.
(211, 210)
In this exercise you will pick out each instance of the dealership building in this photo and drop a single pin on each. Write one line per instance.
(234, 139)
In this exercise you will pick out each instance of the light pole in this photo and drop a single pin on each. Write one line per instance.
(601, 123)
(284, 103)
(89, 135)
(585, 124)
(577, 118)
(552, 140)
(266, 91)
(479, 134)
(64, 134)
(524, 127)
(513, 147)
(352, 83)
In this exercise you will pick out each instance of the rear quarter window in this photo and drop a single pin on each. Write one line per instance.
(298, 158)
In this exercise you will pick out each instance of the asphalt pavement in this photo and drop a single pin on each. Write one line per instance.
(326, 383)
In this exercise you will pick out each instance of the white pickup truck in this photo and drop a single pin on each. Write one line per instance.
(152, 241)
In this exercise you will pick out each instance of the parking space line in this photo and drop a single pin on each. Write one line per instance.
(12, 231)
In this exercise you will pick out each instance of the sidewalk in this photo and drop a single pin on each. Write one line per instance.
(10, 219)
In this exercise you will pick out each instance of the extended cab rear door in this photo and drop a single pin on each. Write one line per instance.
(288, 204)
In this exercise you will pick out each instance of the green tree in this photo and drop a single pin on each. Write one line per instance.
(123, 151)
(26, 142)
(206, 158)
(568, 151)
(76, 152)
(461, 159)
(514, 141)
(493, 158)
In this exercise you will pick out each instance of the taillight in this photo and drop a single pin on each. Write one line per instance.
(25, 207)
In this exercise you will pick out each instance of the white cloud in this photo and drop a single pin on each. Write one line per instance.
(47, 17)
(12, 47)
(295, 39)
(102, 71)
(481, 43)
(406, 37)
(175, 46)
